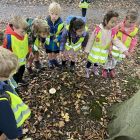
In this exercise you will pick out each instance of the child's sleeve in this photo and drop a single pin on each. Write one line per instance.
(7, 121)
(84, 43)
(133, 45)
(7, 42)
(63, 40)
(90, 42)
(119, 44)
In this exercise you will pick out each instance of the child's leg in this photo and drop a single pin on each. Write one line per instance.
(50, 60)
(19, 75)
(112, 68)
(88, 65)
(30, 60)
(54, 59)
(73, 58)
(84, 10)
(38, 64)
(49, 53)
(36, 55)
(109, 67)
(65, 57)
(106, 68)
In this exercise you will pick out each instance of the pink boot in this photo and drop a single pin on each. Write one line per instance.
(112, 73)
(104, 73)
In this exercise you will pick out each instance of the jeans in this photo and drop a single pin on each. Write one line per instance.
(84, 11)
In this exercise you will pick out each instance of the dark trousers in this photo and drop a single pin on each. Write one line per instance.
(89, 64)
(84, 11)
(18, 76)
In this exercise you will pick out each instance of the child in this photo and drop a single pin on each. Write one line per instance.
(99, 43)
(39, 30)
(126, 32)
(74, 39)
(13, 112)
(84, 4)
(16, 40)
(56, 27)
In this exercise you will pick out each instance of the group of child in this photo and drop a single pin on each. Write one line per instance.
(108, 44)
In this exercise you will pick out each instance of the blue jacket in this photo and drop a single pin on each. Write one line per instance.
(53, 46)
(8, 124)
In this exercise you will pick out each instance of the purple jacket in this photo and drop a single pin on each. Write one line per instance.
(74, 39)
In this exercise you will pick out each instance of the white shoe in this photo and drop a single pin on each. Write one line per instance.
(95, 70)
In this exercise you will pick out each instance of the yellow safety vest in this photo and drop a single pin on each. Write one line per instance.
(77, 45)
(98, 53)
(20, 48)
(127, 42)
(37, 44)
(59, 30)
(21, 111)
(83, 5)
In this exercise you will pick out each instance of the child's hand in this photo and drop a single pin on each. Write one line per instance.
(61, 55)
(31, 55)
(51, 34)
(127, 54)
(86, 54)
(110, 56)
(55, 40)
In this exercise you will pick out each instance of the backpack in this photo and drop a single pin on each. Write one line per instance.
(69, 18)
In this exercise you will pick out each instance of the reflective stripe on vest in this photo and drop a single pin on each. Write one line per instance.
(20, 110)
(20, 48)
(47, 40)
(36, 44)
(84, 4)
(116, 53)
(1, 99)
(59, 29)
(126, 39)
(76, 46)
(13, 84)
(99, 53)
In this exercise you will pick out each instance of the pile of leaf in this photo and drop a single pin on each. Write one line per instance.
(67, 106)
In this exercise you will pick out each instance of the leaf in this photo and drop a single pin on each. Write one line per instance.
(40, 118)
(33, 129)
(78, 95)
(25, 130)
(61, 124)
(65, 116)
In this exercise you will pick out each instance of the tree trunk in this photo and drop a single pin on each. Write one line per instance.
(126, 119)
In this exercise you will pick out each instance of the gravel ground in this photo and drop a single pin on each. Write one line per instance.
(98, 8)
